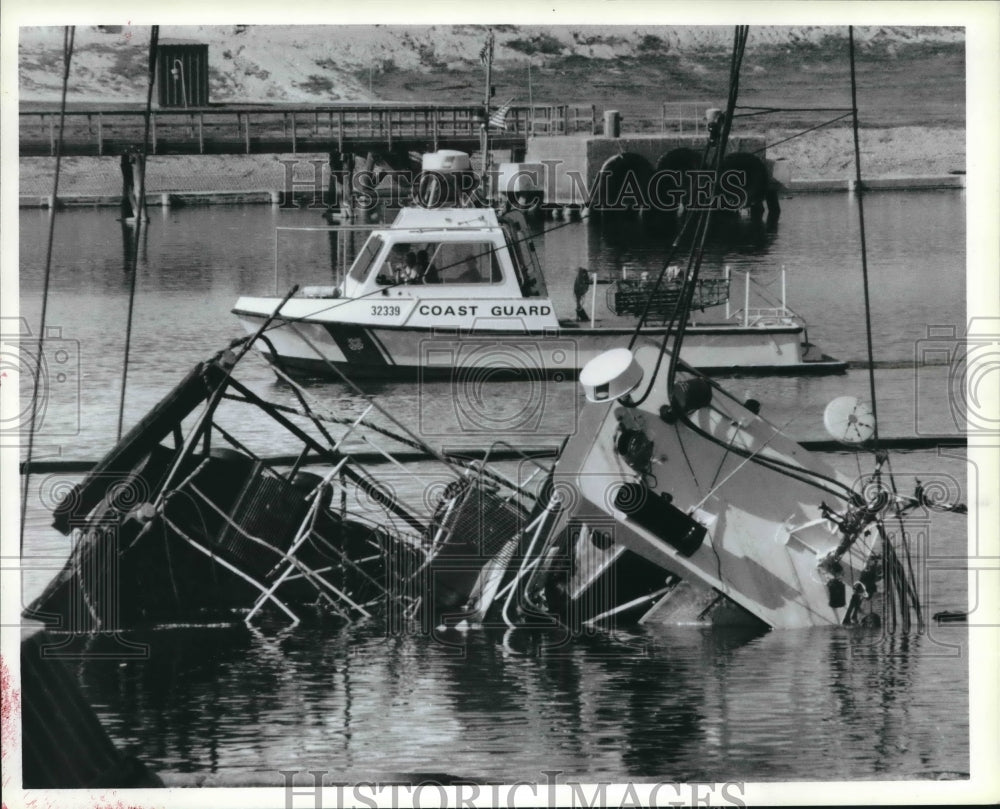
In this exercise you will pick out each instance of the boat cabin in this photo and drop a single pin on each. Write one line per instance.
(459, 252)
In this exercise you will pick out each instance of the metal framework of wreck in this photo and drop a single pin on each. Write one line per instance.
(186, 520)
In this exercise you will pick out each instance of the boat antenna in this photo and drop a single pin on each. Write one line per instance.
(140, 214)
(486, 55)
(69, 34)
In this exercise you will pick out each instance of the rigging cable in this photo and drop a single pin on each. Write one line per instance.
(69, 34)
(140, 213)
(800, 134)
(905, 584)
(689, 282)
(810, 477)
(860, 191)
(739, 48)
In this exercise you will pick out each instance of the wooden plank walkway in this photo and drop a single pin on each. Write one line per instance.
(291, 129)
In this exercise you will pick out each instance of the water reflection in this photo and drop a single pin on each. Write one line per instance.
(657, 704)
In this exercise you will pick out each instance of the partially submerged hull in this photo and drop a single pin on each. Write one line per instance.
(688, 509)
(311, 347)
(717, 498)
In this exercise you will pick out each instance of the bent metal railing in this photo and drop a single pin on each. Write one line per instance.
(290, 129)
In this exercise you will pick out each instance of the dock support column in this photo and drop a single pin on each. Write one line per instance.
(371, 213)
(347, 203)
(133, 166)
(334, 194)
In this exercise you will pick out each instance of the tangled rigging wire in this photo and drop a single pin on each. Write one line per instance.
(701, 221)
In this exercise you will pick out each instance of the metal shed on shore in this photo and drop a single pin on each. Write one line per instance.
(182, 73)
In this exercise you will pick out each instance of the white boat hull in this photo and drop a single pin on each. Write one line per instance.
(765, 536)
(315, 348)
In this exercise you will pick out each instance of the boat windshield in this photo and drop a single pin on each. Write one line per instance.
(359, 270)
(440, 263)
(522, 252)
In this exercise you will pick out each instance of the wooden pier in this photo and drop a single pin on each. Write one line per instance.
(569, 145)
(283, 129)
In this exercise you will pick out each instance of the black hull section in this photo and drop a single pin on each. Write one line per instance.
(197, 560)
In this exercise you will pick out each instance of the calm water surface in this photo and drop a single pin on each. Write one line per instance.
(235, 706)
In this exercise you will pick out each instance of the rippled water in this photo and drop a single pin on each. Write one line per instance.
(236, 706)
(659, 704)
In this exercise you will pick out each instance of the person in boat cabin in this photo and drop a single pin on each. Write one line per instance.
(407, 272)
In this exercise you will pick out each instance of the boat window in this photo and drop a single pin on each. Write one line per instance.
(464, 263)
(403, 264)
(368, 254)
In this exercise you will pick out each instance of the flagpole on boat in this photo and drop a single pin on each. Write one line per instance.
(531, 104)
(487, 54)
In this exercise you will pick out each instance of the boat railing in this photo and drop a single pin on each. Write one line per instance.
(630, 296)
(318, 528)
(778, 313)
(764, 316)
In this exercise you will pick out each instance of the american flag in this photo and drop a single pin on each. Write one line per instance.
(499, 116)
(486, 54)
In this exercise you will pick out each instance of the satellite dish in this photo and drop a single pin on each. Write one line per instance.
(849, 420)
(610, 375)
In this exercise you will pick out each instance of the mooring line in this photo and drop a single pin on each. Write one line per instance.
(69, 34)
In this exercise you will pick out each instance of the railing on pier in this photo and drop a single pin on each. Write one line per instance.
(260, 129)
(564, 119)
(684, 117)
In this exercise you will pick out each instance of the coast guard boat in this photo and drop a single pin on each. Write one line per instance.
(441, 290)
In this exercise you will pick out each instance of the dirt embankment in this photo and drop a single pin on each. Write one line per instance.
(324, 64)
(906, 151)
(911, 83)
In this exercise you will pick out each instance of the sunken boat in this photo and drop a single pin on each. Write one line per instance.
(674, 501)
